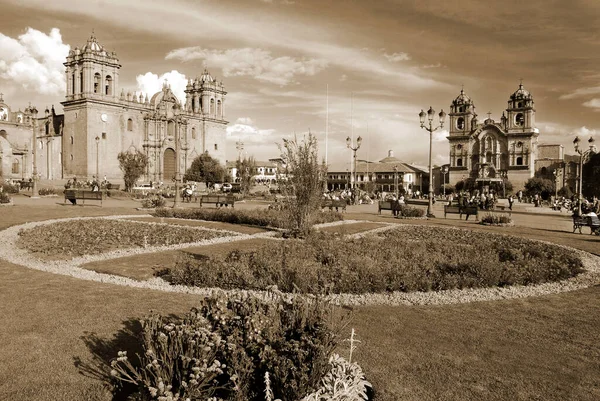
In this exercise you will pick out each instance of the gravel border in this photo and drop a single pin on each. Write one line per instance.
(10, 252)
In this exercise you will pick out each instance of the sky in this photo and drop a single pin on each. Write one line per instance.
(336, 68)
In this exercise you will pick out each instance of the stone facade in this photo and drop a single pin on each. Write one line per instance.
(488, 151)
(98, 124)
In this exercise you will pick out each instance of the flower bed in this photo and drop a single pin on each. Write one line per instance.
(491, 219)
(87, 237)
(229, 346)
(261, 218)
(407, 258)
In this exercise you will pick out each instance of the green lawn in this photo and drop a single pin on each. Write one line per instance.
(543, 348)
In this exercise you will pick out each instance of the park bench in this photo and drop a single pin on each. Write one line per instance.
(467, 210)
(593, 222)
(25, 185)
(218, 200)
(334, 203)
(73, 195)
(386, 205)
(113, 186)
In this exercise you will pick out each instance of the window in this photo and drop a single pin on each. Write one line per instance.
(212, 107)
(460, 123)
(96, 83)
(47, 128)
(104, 135)
(41, 145)
(71, 157)
(218, 108)
(216, 146)
(81, 82)
(73, 84)
(15, 166)
(71, 140)
(519, 120)
(129, 124)
(108, 85)
(459, 162)
(193, 132)
(519, 161)
(520, 104)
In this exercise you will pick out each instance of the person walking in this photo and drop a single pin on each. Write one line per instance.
(511, 200)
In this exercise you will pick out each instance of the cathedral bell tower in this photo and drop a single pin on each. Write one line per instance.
(205, 96)
(462, 115)
(520, 112)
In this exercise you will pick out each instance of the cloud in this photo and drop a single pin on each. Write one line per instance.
(150, 83)
(395, 57)
(248, 133)
(593, 104)
(426, 66)
(581, 92)
(245, 120)
(254, 62)
(35, 61)
(584, 132)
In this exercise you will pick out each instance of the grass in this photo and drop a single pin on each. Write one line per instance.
(542, 348)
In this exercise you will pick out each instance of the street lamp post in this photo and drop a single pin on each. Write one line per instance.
(503, 175)
(582, 154)
(556, 174)
(430, 115)
(353, 149)
(34, 173)
(177, 199)
(444, 172)
(98, 160)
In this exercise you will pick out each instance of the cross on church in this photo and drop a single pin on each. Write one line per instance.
(521, 81)
(489, 113)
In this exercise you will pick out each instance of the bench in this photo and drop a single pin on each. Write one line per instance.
(218, 200)
(113, 186)
(25, 185)
(334, 203)
(72, 195)
(467, 210)
(386, 205)
(593, 222)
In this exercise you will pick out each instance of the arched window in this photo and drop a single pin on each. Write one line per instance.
(193, 132)
(47, 129)
(72, 140)
(81, 82)
(108, 85)
(73, 84)
(219, 108)
(519, 120)
(20, 118)
(460, 123)
(71, 157)
(15, 166)
(212, 107)
(216, 146)
(519, 161)
(459, 162)
(129, 124)
(520, 104)
(97, 83)
(41, 145)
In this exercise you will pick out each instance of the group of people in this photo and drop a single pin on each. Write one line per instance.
(94, 183)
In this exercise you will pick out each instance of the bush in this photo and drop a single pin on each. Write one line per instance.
(409, 211)
(224, 348)
(9, 188)
(495, 219)
(272, 218)
(345, 381)
(154, 201)
(402, 259)
(4, 197)
(47, 191)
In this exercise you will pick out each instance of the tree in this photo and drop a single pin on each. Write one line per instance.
(246, 169)
(591, 176)
(301, 180)
(133, 165)
(541, 186)
(205, 169)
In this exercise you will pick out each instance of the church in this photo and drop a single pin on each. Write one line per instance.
(99, 122)
(482, 152)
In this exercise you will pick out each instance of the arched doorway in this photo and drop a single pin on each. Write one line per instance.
(169, 165)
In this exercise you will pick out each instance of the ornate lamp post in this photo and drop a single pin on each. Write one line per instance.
(97, 160)
(582, 154)
(430, 115)
(503, 175)
(556, 174)
(444, 172)
(353, 149)
(177, 199)
(34, 173)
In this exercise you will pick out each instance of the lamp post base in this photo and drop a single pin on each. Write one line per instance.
(430, 216)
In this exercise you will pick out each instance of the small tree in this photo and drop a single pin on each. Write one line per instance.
(301, 180)
(246, 169)
(541, 186)
(591, 175)
(133, 165)
(565, 191)
(205, 169)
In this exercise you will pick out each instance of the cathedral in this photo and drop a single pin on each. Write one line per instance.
(100, 121)
(490, 151)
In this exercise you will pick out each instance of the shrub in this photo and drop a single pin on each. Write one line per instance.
(495, 219)
(133, 165)
(402, 259)
(9, 188)
(154, 201)
(224, 348)
(4, 197)
(47, 191)
(260, 218)
(409, 211)
(345, 381)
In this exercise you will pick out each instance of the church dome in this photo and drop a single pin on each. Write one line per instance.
(521, 93)
(206, 77)
(462, 99)
(92, 45)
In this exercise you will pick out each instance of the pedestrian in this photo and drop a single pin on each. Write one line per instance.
(510, 202)
(520, 196)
